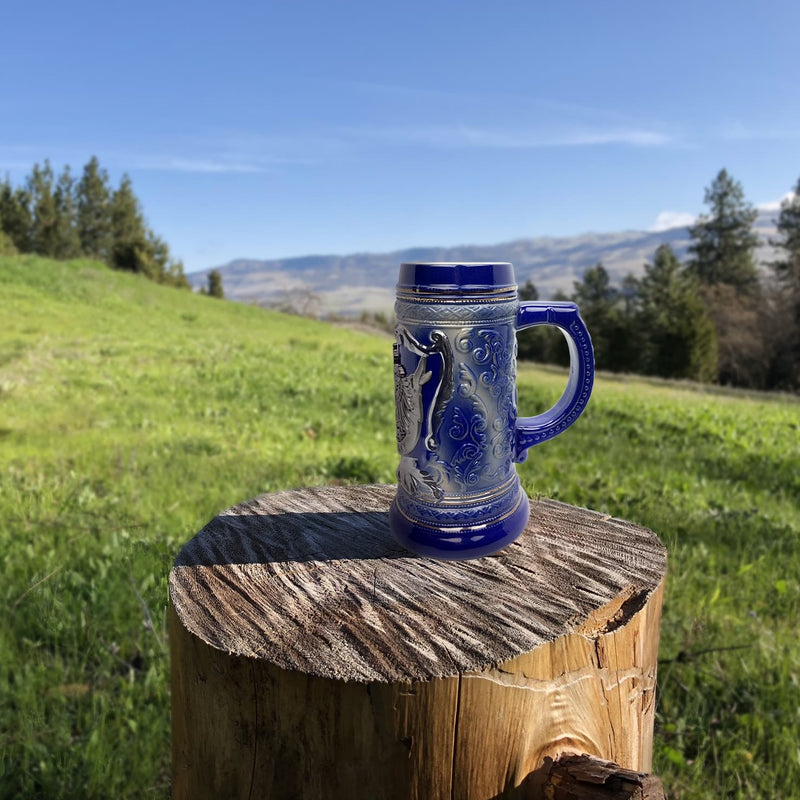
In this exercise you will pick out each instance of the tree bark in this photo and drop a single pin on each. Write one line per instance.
(312, 657)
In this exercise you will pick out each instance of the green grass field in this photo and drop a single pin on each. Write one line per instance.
(130, 414)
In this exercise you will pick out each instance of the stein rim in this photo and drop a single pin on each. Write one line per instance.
(456, 276)
(456, 264)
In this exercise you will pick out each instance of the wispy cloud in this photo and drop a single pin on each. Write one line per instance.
(248, 152)
(194, 157)
(166, 163)
(252, 154)
(467, 119)
(561, 108)
(455, 136)
(672, 219)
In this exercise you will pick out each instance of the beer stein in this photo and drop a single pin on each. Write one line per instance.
(458, 432)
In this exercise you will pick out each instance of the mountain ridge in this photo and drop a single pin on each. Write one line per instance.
(364, 281)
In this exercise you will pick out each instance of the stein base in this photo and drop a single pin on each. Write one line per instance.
(458, 544)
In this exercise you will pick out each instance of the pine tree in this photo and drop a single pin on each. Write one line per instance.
(45, 217)
(16, 220)
(534, 344)
(679, 337)
(166, 269)
(176, 276)
(130, 249)
(170, 270)
(785, 299)
(215, 284)
(528, 291)
(64, 219)
(134, 247)
(160, 255)
(630, 294)
(93, 211)
(68, 243)
(602, 308)
(723, 242)
(787, 269)
(595, 290)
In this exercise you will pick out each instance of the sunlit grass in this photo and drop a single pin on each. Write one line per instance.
(130, 414)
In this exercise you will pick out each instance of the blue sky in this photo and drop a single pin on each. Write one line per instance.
(274, 129)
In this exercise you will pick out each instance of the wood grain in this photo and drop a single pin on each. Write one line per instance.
(312, 657)
(312, 581)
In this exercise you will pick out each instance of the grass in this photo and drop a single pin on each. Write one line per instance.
(130, 414)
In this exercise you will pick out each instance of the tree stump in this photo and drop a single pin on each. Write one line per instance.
(313, 657)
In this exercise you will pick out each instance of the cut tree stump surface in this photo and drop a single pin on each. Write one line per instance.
(313, 582)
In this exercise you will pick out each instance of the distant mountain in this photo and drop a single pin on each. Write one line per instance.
(365, 281)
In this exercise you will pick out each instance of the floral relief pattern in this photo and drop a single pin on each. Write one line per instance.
(468, 432)
(482, 421)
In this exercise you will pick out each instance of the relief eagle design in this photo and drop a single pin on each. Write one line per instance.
(412, 422)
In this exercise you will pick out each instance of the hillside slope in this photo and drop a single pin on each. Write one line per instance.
(131, 413)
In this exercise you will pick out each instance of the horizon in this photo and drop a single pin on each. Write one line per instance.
(763, 211)
(285, 130)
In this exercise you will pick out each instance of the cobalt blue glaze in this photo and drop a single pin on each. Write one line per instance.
(458, 434)
(455, 277)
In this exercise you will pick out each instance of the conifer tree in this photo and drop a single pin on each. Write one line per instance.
(160, 254)
(43, 204)
(723, 242)
(785, 299)
(528, 291)
(601, 306)
(67, 241)
(215, 284)
(542, 343)
(130, 249)
(134, 247)
(169, 271)
(531, 344)
(93, 198)
(679, 336)
(787, 269)
(16, 219)
(630, 294)
(174, 275)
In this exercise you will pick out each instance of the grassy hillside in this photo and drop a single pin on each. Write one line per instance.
(130, 414)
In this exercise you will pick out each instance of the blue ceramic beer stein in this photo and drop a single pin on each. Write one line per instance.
(458, 433)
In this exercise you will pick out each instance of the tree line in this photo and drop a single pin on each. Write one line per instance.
(712, 318)
(63, 217)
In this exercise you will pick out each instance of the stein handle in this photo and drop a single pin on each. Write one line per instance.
(571, 404)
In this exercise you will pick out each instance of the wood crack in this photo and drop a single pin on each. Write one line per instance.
(256, 733)
(369, 670)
